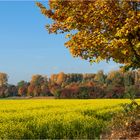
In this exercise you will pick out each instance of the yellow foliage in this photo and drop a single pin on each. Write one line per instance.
(103, 28)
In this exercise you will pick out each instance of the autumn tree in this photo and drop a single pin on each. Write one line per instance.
(4, 91)
(99, 29)
(88, 77)
(30, 90)
(100, 77)
(3, 79)
(37, 79)
(53, 78)
(22, 88)
(60, 78)
(38, 85)
(45, 90)
(115, 78)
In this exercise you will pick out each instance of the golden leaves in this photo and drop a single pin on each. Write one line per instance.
(105, 29)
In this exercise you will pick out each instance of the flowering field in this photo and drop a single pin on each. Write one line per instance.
(55, 119)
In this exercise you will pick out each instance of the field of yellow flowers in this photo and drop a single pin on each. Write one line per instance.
(55, 119)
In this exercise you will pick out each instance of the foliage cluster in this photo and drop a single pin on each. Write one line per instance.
(98, 29)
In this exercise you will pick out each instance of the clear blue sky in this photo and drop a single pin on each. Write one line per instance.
(26, 48)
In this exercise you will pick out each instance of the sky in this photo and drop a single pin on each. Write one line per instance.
(26, 48)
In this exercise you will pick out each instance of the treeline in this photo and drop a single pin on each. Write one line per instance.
(115, 84)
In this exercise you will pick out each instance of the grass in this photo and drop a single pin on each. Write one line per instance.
(56, 119)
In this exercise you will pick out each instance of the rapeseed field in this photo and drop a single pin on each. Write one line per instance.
(56, 119)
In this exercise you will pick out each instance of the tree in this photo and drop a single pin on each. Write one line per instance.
(53, 78)
(22, 88)
(99, 29)
(30, 90)
(129, 78)
(88, 77)
(100, 77)
(45, 90)
(37, 79)
(4, 91)
(84, 93)
(3, 79)
(137, 77)
(60, 78)
(12, 89)
(115, 78)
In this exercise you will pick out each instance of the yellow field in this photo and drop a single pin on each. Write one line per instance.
(42, 118)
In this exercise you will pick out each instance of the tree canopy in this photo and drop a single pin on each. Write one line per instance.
(115, 84)
(98, 29)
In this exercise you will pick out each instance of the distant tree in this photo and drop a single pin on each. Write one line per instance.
(131, 91)
(71, 91)
(53, 88)
(129, 79)
(60, 78)
(53, 78)
(13, 91)
(37, 79)
(3, 79)
(84, 93)
(115, 78)
(30, 90)
(36, 85)
(22, 88)
(100, 77)
(88, 77)
(37, 91)
(45, 90)
(137, 77)
(57, 93)
(4, 91)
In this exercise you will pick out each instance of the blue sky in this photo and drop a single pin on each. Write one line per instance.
(26, 48)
